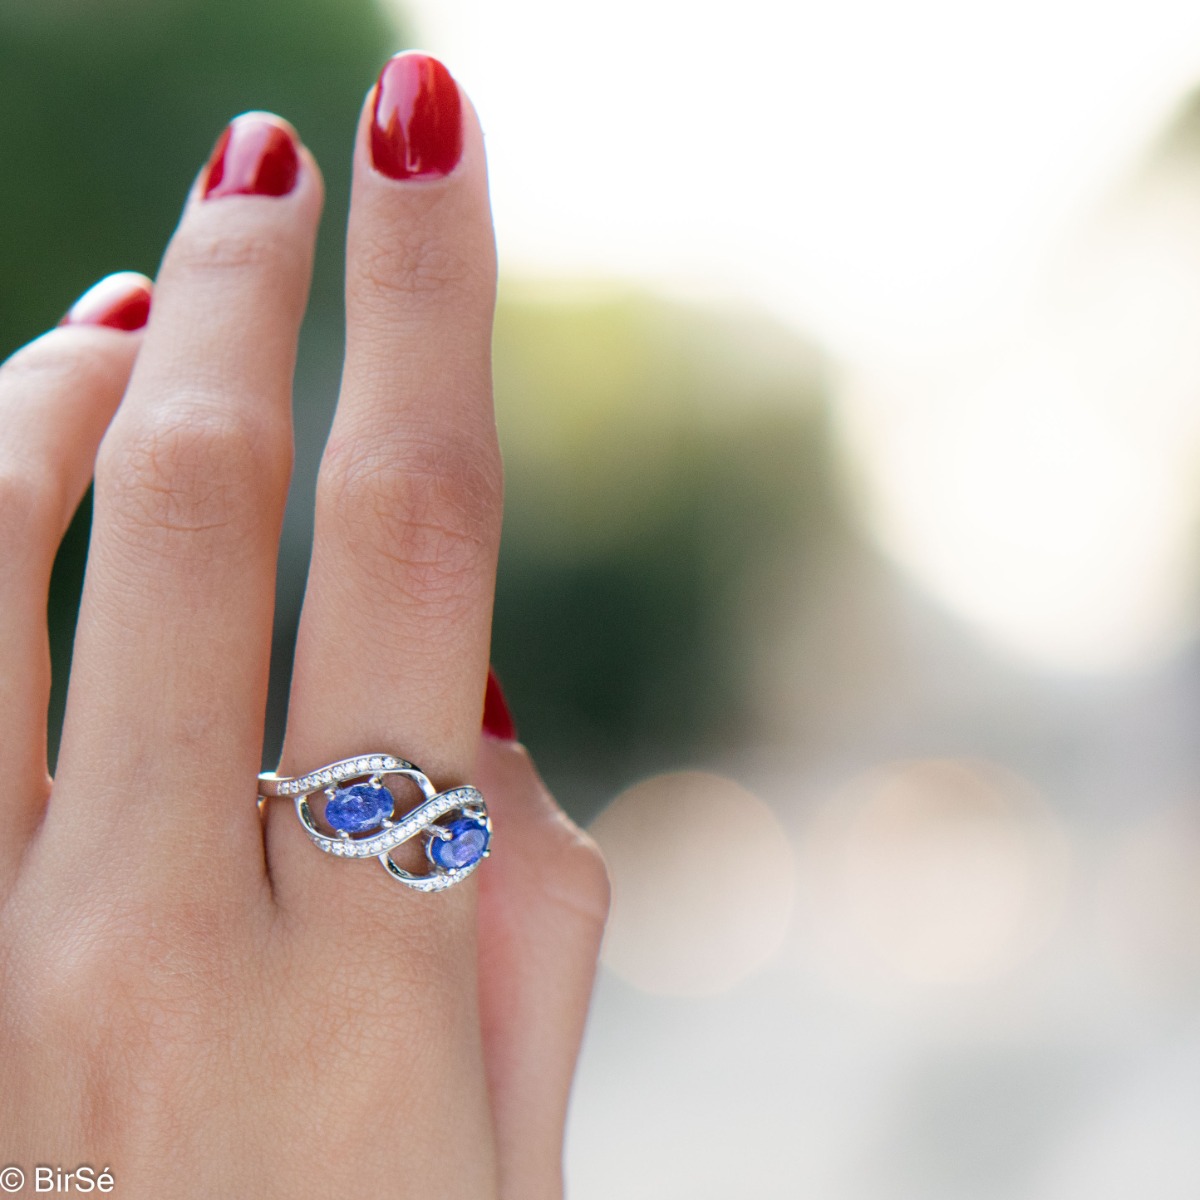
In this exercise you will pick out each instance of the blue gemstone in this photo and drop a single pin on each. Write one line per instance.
(466, 845)
(358, 808)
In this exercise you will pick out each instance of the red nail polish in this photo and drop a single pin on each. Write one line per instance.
(416, 127)
(120, 301)
(497, 720)
(254, 156)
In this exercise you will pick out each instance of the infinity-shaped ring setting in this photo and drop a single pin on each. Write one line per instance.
(358, 803)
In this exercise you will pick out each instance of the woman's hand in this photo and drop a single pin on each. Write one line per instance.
(193, 997)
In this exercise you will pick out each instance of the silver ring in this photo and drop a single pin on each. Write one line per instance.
(359, 804)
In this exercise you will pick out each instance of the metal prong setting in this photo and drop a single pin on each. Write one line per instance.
(393, 831)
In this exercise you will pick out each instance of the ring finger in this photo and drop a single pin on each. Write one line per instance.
(392, 648)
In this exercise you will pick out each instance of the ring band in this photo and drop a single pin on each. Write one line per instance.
(359, 804)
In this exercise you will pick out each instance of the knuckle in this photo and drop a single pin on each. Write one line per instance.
(188, 475)
(420, 267)
(582, 882)
(222, 251)
(572, 875)
(426, 523)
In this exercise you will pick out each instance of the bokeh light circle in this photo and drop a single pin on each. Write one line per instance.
(941, 871)
(704, 882)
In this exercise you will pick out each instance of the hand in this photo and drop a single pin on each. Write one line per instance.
(192, 997)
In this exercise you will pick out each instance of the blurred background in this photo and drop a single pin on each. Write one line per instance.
(848, 374)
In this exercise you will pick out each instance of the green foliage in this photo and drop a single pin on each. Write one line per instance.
(658, 460)
(108, 109)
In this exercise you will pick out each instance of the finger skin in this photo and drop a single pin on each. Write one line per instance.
(393, 643)
(163, 729)
(57, 396)
(392, 646)
(542, 906)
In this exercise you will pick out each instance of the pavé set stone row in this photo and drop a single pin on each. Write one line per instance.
(361, 812)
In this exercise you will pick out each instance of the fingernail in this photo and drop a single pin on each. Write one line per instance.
(416, 127)
(120, 301)
(497, 720)
(254, 156)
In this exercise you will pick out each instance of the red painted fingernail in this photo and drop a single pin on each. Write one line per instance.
(497, 720)
(255, 155)
(120, 301)
(416, 127)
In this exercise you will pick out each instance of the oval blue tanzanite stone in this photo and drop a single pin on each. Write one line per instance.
(358, 808)
(466, 845)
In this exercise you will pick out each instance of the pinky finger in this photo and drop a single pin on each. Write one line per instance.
(543, 903)
(57, 395)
